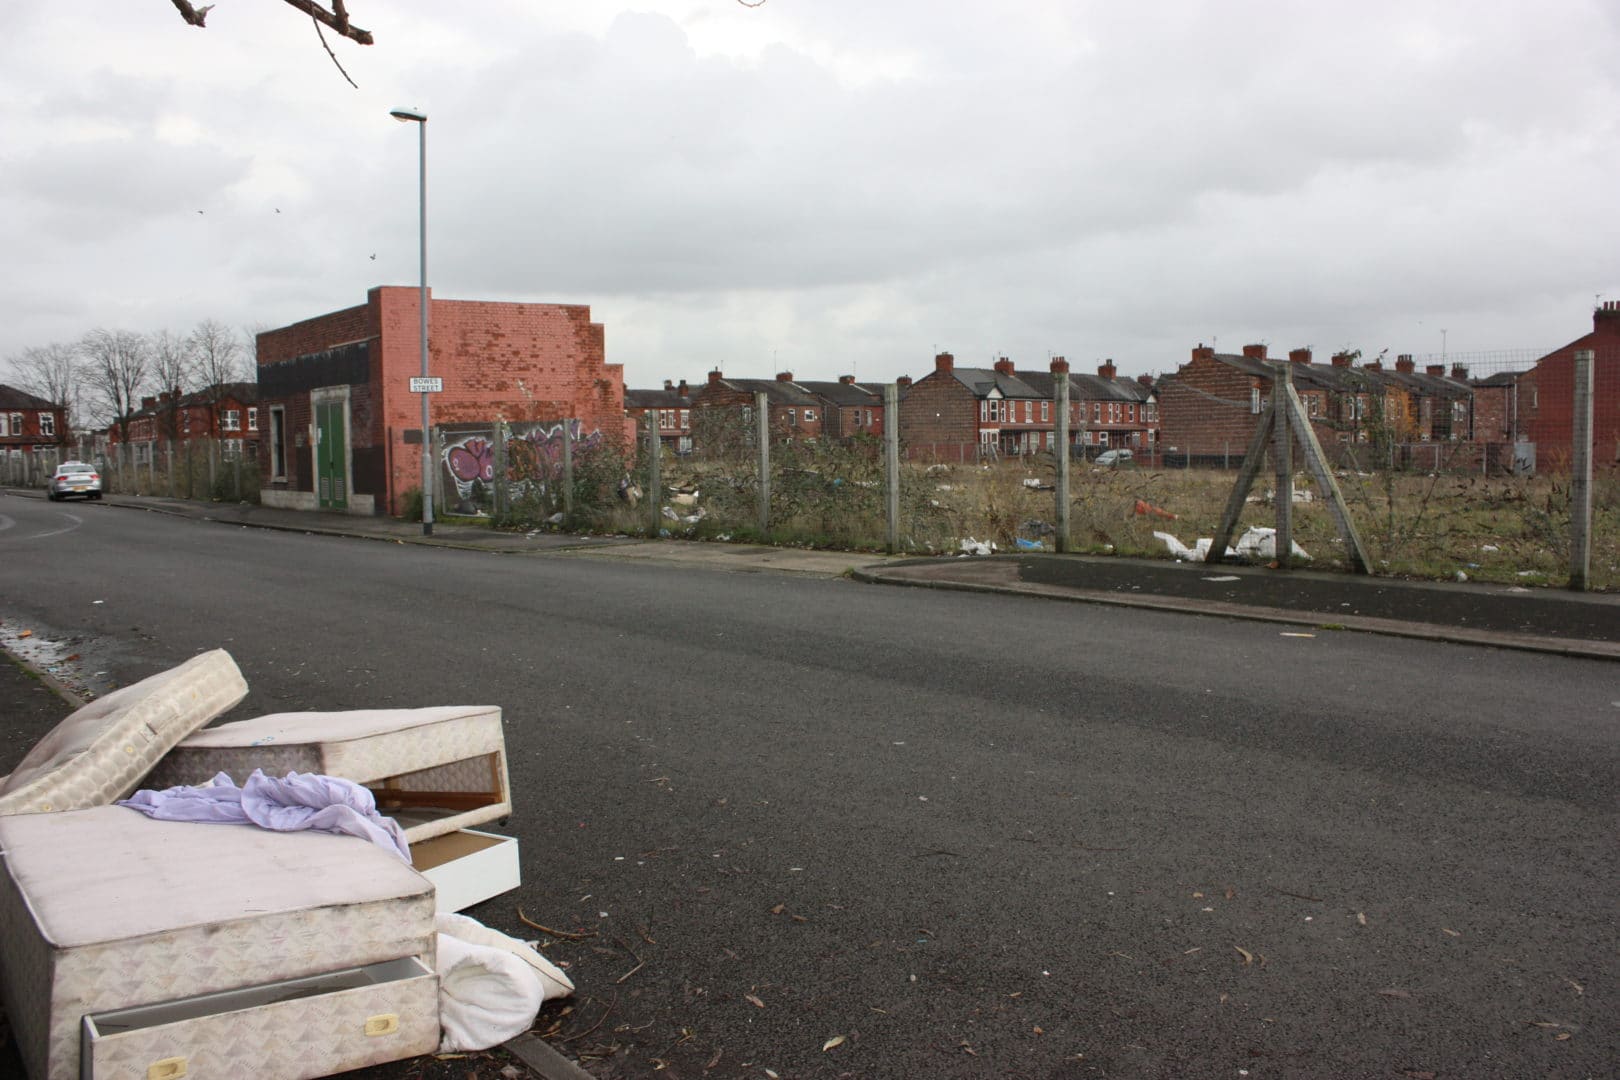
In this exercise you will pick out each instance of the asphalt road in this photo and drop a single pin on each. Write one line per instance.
(972, 835)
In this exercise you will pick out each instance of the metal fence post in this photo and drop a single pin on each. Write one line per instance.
(762, 422)
(436, 455)
(1283, 453)
(891, 462)
(1580, 489)
(1060, 383)
(568, 473)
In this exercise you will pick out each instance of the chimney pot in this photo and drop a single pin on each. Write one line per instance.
(1203, 352)
(668, 385)
(904, 381)
(1299, 356)
(1341, 359)
(682, 388)
(1004, 366)
(1145, 380)
(1106, 369)
(715, 377)
(1059, 365)
(1254, 352)
(944, 362)
(1459, 372)
(847, 380)
(1405, 364)
(784, 376)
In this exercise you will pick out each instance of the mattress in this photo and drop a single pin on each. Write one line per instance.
(105, 909)
(100, 752)
(434, 770)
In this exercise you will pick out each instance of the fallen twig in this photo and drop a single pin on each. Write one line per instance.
(1298, 896)
(555, 933)
(605, 1014)
(640, 963)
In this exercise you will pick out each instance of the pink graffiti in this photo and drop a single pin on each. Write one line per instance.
(472, 460)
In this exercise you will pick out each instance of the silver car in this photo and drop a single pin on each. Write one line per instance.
(74, 478)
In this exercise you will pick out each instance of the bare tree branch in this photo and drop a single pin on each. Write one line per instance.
(337, 18)
(219, 363)
(53, 373)
(115, 371)
(333, 55)
(173, 367)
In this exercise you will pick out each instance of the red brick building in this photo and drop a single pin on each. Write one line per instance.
(672, 406)
(31, 425)
(960, 414)
(228, 412)
(848, 409)
(1546, 394)
(342, 431)
(795, 413)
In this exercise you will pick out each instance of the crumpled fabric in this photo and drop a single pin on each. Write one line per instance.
(491, 986)
(288, 804)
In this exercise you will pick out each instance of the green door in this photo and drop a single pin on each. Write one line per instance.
(331, 446)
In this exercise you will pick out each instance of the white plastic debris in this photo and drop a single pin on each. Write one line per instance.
(1031, 482)
(1261, 543)
(971, 546)
(1489, 547)
(491, 986)
(1175, 547)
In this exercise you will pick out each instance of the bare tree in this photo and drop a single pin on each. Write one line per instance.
(174, 369)
(52, 372)
(218, 355)
(337, 18)
(115, 371)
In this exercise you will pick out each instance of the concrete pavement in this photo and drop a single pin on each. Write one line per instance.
(1539, 620)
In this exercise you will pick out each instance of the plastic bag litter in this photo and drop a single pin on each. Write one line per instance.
(971, 546)
(1029, 545)
(1257, 542)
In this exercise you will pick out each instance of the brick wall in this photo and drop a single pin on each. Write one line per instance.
(938, 411)
(1204, 408)
(1547, 394)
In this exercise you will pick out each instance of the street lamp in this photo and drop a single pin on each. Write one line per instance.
(406, 116)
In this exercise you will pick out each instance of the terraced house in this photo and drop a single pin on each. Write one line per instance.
(33, 433)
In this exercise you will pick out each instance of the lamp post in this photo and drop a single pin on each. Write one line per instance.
(420, 118)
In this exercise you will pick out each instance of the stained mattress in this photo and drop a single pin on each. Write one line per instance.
(105, 909)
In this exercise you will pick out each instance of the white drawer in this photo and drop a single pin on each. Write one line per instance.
(468, 867)
(291, 1030)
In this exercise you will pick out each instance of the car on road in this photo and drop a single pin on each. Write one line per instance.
(74, 478)
(1111, 458)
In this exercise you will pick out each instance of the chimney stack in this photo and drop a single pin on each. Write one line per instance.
(682, 388)
(1254, 352)
(1299, 356)
(148, 403)
(1459, 372)
(1405, 364)
(1059, 365)
(1374, 366)
(1106, 369)
(715, 377)
(784, 376)
(944, 362)
(846, 380)
(1341, 359)
(1145, 380)
(1438, 370)
(1004, 366)
(1203, 352)
(668, 385)
(904, 381)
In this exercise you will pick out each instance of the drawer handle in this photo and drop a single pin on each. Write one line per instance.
(385, 1024)
(167, 1069)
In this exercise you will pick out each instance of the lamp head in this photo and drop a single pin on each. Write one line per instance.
(405, 115)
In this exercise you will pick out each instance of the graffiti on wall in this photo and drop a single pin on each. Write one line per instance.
(534, 454)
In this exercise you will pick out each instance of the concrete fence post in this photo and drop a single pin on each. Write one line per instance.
(655, 479)
(213, 466)
(1283, 457)
(1060, 383)
(762, 422)
(1580, 489)
(891, 462)
(236, 473)
(568, 473)
(500, 495)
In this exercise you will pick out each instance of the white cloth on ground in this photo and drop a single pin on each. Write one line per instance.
(491, 986)
(295, 801)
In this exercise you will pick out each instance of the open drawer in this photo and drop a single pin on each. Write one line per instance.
(433, 770)
(467, 867)
(290, 1030)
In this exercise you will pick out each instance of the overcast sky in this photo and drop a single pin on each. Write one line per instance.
(829, 186)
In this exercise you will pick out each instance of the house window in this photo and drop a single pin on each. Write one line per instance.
(1096, 412)
(1313, 405)
(1029, 411)
(1535, 398)
(16, 423)
(278, 443)
(1102, 438)
(5, 424)
(185, 421)
(47, 423)
(1150, 411)
(809, 416)
(686, 419)
(793, 417)
(253, 418)
(1254, 399)
(1130, 413)
(1046, 411)
(984, 410)
(233, 419)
